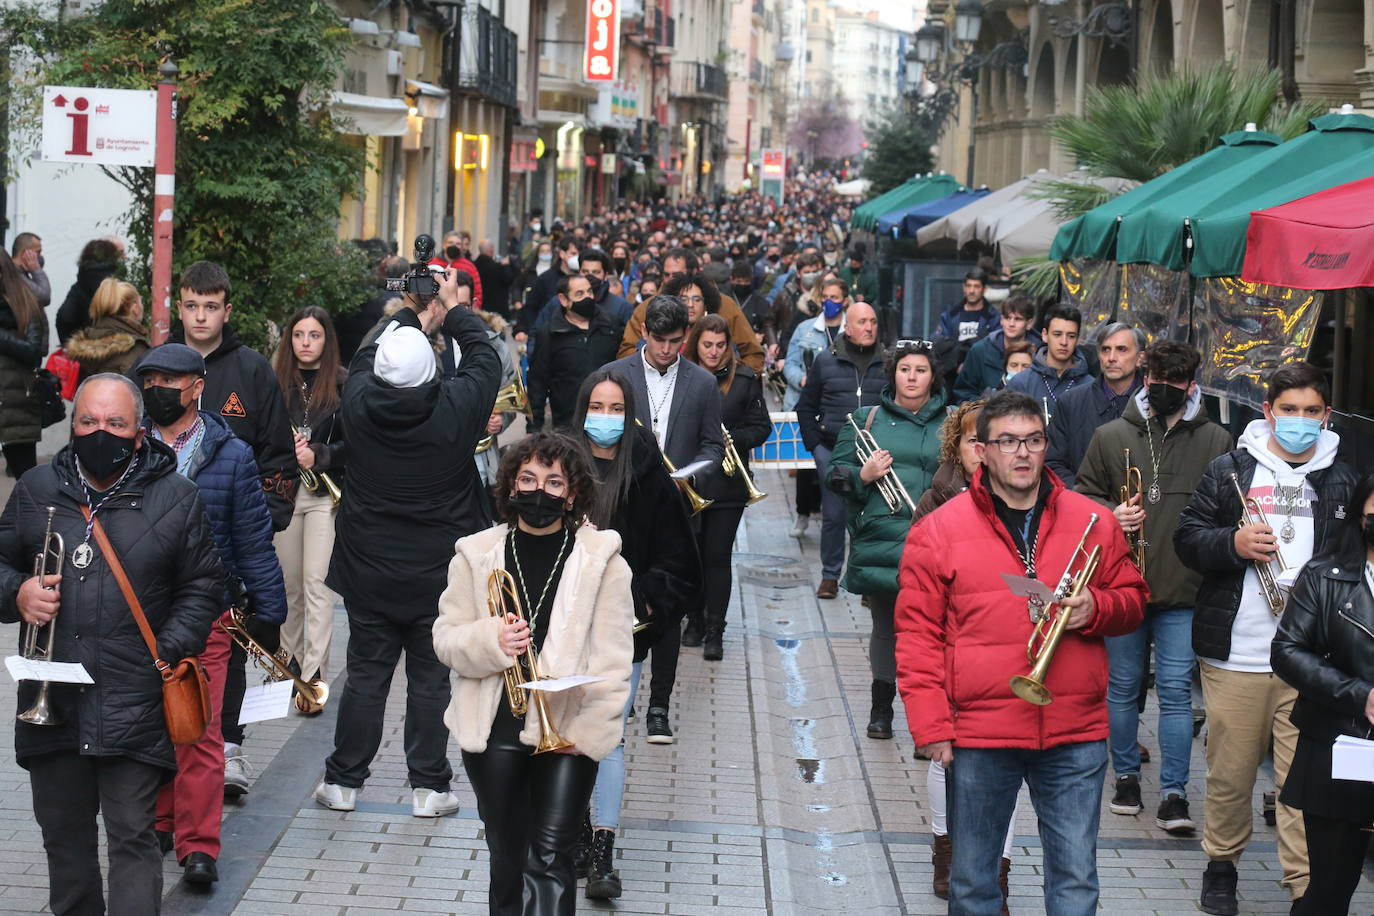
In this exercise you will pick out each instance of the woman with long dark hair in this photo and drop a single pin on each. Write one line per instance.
(1325, 649)
(311, 378)
(23, 344)
(746, 420)
(574, 593)
(639, 500)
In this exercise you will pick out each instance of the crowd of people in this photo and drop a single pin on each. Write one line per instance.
(1043, 524)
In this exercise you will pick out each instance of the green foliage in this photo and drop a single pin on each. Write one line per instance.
(261, 169)
(898, 148)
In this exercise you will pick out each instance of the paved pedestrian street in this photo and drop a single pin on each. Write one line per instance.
(772, 801)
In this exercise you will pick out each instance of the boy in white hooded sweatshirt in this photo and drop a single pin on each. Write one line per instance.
(1285, 462)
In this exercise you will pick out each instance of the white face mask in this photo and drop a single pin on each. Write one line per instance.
(573, 263)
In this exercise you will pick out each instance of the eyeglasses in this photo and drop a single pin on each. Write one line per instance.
(554, 486)
(1010, 445)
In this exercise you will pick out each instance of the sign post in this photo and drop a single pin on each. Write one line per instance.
(164, 191)
(773, 174)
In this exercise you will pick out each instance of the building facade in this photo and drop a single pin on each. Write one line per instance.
(758, 87)
(868, 62)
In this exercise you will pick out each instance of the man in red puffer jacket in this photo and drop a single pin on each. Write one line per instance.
(962, 634)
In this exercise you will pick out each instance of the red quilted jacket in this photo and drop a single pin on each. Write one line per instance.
(961, 634)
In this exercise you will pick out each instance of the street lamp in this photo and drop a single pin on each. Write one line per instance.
(930, 43)
(968, 21)
(915, 69)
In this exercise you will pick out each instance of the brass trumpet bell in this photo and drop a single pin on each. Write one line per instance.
(512, 397)
(315, 692)
(732, 464)
(47, 563)
(502, 598)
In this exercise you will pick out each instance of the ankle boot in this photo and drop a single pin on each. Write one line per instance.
(939, 859)
(713, 645)
(602, 881)
(880, 716)
(1002, 878)
(583, 856)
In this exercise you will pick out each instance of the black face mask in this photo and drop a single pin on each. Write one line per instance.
(1369, 530)
(103, 454)
(599, 288)
(1165, 400)
(537, 508)
(584, 307)
(453, 252)
(618, 264)
(741, 292)
(163, 404)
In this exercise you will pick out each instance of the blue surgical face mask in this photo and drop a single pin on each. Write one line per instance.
(605, 429)
(1297, 434)
(832, 308)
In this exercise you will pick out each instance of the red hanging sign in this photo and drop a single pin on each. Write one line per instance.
(602, 58)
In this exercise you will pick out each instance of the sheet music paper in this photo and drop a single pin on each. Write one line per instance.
(1352, 758)
(696, 467)
(270, 701)
(559, 684)
(1028, 588)
(29, 669)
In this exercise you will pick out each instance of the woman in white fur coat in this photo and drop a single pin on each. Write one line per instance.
(574, 588)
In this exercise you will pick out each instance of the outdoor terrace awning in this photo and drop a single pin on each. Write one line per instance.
(369, 115)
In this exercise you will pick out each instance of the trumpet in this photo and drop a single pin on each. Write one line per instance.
(1044, 639)
(502, 599)
(1252, 514)
(695, 499)
(890, 486)
(315, 482)
(732, 465)
(47, 563)
(310, 695)
(1134, 487)
(512, 397)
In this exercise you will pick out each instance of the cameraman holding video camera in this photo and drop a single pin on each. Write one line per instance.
(410, 498)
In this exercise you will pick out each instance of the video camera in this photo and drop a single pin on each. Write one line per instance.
(418, 281)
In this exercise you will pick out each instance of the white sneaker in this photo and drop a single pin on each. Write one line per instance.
(335, 797)
(428, 803)
(799, 526)
(237, 773)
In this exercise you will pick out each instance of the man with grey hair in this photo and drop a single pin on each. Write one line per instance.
(1082, 409)
(109, 751)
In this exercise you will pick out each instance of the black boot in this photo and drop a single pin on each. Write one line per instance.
(602, 881)
(880, 716)
(200, 869)
(691, 633)
(583, 856)
(713, 646)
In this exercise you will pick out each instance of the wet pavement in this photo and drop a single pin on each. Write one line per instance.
(773, 800)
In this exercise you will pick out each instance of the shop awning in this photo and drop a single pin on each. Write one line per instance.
(1321, 241)
(960, 227)
(1093, 235)
(369, 115)
(431, 100)
(1156, 234)
(917, 190)
(906, 223)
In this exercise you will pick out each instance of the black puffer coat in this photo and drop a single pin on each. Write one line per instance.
(1205, 539)
(20, 354)
(745, 416)
(835, 388)
(158, 525)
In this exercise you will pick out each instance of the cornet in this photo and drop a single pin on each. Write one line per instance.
(314, 482)
(732, 465)
(1252, 514)
(502, 599)
(1044, 640)
(890, 486)
(695, 499)
(47, 563)
(512, 397)
(310, 695)
(1134, 487)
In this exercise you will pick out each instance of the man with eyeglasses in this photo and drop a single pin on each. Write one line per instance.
(962, 633)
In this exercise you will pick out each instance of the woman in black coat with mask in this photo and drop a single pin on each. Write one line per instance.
(1325, 649)
(640, 501)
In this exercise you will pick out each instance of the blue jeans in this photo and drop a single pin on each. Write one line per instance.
(1172, 633)
(1065, 788)
(832, 519)
(610, 778)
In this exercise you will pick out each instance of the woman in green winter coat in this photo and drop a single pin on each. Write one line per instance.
(906, 428)
(23, 344)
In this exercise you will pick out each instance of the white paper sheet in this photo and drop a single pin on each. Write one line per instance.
(1028, 588)
(270, 701)
(28, 669)
(696, 467)
(559, 684)
(1352, 758)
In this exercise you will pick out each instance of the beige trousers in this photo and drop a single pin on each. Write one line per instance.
(303, 550)
(1244, 711)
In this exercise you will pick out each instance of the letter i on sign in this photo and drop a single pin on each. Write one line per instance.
(80, 127)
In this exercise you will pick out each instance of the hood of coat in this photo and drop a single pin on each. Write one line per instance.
(155, 460)
(398, 408)
(1255, 440)
(1077, 369)
(932, 409)
(228, 343)
(111, 335)
(1139, 408)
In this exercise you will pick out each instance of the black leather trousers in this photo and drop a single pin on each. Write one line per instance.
(532, 808)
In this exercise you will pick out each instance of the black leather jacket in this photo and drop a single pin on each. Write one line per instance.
(1325, 648)
(1205, 540)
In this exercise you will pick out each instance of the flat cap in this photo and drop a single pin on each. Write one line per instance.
(172, 358)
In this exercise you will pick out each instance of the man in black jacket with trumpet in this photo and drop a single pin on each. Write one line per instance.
(108, 749)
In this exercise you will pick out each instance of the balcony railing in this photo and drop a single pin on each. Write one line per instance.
(485, 57)
(693, 79)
